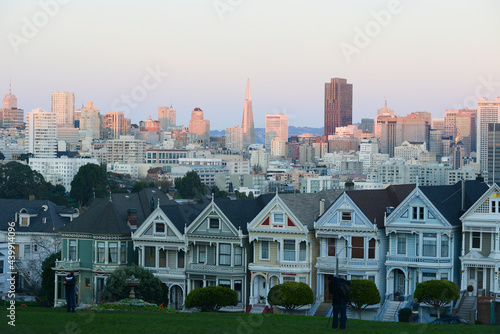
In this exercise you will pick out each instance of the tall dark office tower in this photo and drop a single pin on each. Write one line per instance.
(338, 104)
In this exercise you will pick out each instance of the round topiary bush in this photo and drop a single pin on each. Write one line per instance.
(290, 295)
(404, 314)
(150, 288)
(211, 298)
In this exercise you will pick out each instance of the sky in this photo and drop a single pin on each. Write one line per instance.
(133, 56)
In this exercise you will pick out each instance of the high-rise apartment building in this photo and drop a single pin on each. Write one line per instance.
(114, 125)
(493, 153)
(487, 112)
(10, 116)
(460, 124)
(199, 126)
(247, 123)
(63, 105)
(234, 138)
(41, 133)
(90, 121)
(126, 149)
(338, 104)
(276, 126)
(395, 130)
(167, 117)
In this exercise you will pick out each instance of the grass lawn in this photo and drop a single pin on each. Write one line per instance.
(45, 320)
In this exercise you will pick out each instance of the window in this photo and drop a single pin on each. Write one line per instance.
(278, 218)
(331, 246)
(401, 244)
(371, 249)
(476, 240)
(72, 250)
(214, 222)
(417, 244)
(418, 213)
(25, 221)
(160, 228)
(445, 246)
(202, 254)
(225, 283)
(87, 282)
(472, 273)
(113, 252)
(372, 278)
(180, 259)
(264, 250)
(225, 254)
(302, 251)
(1, 266)
(238, 251)
(346, 215)
(163, 258)
(27, 252)
(289, 250)
(150, 256)
(123, 252)
(444, 276)
(428, 276)
(429, 244)
(303, 279)
(358, 249)
(238, 289)
(100, 252)
(288, 279)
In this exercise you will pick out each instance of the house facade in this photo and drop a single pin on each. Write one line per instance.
(352, 239)
(480, 257)
(283, 242)
(424, 234)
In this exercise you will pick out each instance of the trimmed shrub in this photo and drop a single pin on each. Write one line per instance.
(437, 293)
(404, 314)
(211, 298)
(149, 289)
(290, 295)
(363, 293)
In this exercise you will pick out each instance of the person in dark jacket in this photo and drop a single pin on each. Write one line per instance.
(69, 284)
(339, 302)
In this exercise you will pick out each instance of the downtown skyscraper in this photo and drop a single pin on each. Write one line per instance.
(338, 104)
(63, 105)
(487, 112)
(247, 123)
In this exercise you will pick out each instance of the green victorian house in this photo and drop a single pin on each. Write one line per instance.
(99, 242)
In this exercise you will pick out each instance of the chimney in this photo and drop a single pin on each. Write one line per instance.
(349, 185)
(132, 218)
(321, 206)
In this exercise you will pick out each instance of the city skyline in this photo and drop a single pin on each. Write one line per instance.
(435, 67)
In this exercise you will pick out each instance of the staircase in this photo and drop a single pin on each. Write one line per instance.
(392, 310)
(258, 308)
(322, 309)
(468, 305)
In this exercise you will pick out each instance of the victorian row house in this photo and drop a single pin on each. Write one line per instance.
(31, 228)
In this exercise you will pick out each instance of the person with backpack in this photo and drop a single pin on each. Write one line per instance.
(339, 288)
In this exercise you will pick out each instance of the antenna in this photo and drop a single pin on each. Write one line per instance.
(10, 86)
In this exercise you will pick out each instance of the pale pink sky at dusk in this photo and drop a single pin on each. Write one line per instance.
(427, 55)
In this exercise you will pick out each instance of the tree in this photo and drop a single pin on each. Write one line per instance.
(362, 293)
(90, 181)
(19, 181)
(2, 156)
(48, 275)
(436, 293)
(149, 289)
(211, 298)
(290, 295)
(138, 186)
(25, 157)
(190, 185)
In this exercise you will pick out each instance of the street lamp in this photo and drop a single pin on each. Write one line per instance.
(337, 260)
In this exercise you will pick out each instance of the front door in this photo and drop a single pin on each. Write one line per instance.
(99, 288)
(399, 284)
(328, 294)
(176, 297)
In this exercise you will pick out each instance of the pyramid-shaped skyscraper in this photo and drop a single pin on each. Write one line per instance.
(247, 123)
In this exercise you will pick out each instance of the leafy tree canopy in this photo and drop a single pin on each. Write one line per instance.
(19, 181)
(437, 293)
(211, 298)
(48, 276)
(362, 293)
(290, 295)
(138, 186)
(190, 185)
(91, 179)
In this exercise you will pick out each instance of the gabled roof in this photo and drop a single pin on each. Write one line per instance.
(306, 206)
(183, 214)
(109, 217)
(41, 208)
(373, 203)
(448, 199)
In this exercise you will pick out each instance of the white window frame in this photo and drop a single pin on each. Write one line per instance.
(210, 219)
(401, 237)
(204, 252)
(275, 221)
(287, 251)
(472, 240)
(303, 252)
(261, 243)
(348, 215)
(430, 238)
(69, 249)
(444, 238)
(418, 211)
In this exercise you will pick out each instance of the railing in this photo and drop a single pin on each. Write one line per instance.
(294, 265)
(213, 268)
(173, 272)
(380, 315)
(329, 262)
(415, 259)
(456, 309)
(68, 264)
(314, 307)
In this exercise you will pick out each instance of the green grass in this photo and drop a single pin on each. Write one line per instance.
(44, 320)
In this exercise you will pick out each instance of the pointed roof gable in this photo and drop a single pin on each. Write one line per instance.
(448, 199)
(373, 203)
(241, 212)
(306, 206)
